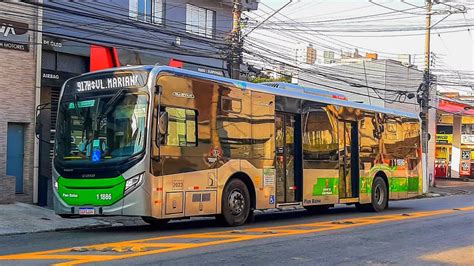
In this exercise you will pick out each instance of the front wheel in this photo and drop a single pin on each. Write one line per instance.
(379, 197)
(235, 203)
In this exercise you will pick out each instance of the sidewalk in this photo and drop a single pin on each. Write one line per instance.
(21, 218)
(453, 187)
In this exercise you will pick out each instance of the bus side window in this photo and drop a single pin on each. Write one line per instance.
(182, 127)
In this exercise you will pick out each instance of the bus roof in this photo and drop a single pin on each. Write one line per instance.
(298, 88)
(278, 90)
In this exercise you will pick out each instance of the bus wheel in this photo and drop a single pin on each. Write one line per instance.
(235, 203)
(379, 197)
(155, 222)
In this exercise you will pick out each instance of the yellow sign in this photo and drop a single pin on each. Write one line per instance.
(444, 138)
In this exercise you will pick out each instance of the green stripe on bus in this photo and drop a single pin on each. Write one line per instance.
(413, 184)
(398, 184)
(95, 192)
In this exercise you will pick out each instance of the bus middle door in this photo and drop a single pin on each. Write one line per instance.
(288, 166)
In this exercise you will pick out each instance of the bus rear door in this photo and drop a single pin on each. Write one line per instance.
(348, 159)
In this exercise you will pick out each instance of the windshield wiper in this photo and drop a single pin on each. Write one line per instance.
(110, 105)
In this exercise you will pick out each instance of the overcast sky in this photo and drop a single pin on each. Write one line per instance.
(454, 50)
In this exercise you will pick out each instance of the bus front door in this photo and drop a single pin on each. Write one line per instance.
(288, 170)
(348, 159)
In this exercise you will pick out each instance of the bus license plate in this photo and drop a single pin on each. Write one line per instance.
(86, 211)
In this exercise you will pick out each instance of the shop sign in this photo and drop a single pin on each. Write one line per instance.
(465, 163)
(14, 35)
(54, 78)
(467, 139)
(444, 138)
(52, 43)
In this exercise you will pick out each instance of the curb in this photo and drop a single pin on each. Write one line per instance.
(102, 224)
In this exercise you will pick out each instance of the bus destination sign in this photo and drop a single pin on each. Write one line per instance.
(115, 82)
(107, 81)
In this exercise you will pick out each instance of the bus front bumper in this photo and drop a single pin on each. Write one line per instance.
(137, 203)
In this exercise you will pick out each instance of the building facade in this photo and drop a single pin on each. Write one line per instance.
(305, 54)
(79, 36)
(18, 82)
(454, 136)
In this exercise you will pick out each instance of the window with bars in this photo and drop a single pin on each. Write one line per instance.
(200, 21)
(151, 11)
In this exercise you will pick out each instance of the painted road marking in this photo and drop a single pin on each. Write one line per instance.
(457, 256)
(157, 245)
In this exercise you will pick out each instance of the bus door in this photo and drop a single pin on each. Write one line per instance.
(289, 169)
(348, 159)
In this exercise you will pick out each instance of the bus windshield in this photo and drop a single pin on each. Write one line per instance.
(105, 129)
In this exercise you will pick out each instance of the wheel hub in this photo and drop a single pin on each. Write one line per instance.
(379, 195)
(236, 202)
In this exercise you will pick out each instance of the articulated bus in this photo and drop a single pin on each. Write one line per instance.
(164, 143)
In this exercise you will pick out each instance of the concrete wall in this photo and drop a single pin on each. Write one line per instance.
(17, 98)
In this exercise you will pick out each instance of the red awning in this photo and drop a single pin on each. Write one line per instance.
(455, 107)
(103, 57)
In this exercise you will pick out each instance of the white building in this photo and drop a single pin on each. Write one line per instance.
(305, 54)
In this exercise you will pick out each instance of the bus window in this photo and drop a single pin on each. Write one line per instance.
(231, 105)
(319, 141)
(182, 130)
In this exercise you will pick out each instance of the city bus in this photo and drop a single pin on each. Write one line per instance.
(165, 143)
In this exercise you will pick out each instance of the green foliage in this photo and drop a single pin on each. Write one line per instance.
(286, 79)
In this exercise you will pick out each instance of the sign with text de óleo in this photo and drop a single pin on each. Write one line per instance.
(14, 35)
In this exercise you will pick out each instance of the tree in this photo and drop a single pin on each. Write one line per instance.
(261, 79)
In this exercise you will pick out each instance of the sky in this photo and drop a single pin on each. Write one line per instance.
(453, 50)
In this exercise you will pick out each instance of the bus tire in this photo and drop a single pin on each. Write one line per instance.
(155, 222)
(235, 203)
(379, 197)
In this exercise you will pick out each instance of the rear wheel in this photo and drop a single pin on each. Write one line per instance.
(155, 222)
(379, 197)
(235, 203)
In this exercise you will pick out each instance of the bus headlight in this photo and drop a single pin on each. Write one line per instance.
(56, 184)
(133, 183)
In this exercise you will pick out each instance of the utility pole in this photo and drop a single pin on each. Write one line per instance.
(425, 94)
(236, 41)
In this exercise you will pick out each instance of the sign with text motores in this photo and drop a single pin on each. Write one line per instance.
(14, 35)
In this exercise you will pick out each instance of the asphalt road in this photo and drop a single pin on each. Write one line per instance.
(435, 231)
